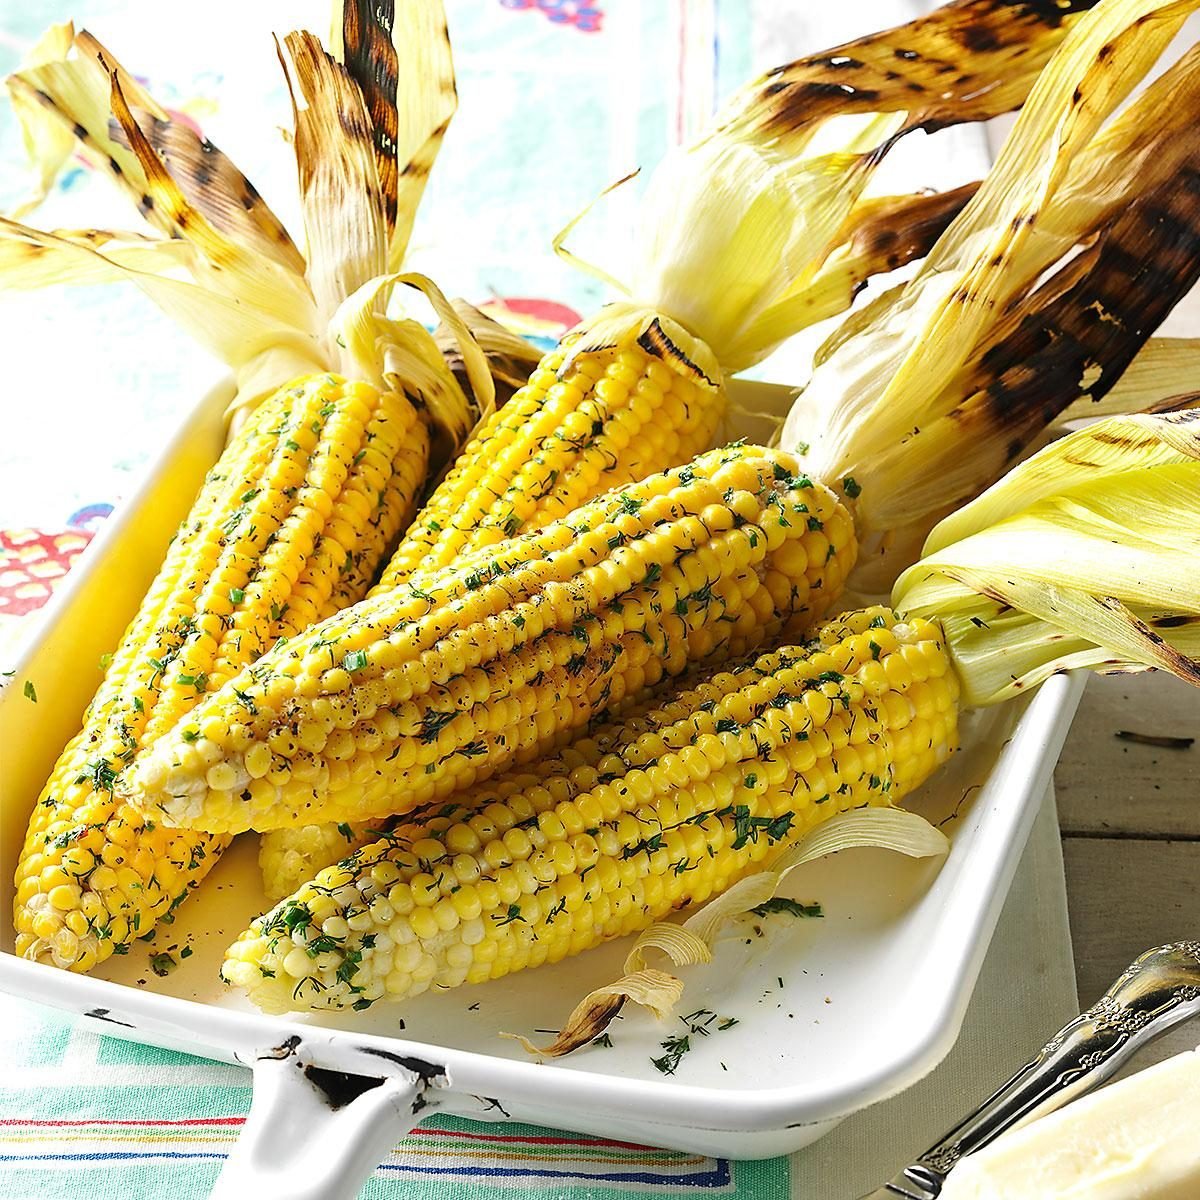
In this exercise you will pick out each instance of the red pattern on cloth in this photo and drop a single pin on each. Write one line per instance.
(32, 564)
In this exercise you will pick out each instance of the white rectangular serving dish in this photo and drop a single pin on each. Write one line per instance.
(833, 1014)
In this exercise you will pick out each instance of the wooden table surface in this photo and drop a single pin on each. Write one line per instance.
(1130, 819)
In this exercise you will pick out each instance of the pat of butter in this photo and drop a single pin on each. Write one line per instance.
(1138, 1139)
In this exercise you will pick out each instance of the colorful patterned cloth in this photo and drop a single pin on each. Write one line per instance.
(73, 1102)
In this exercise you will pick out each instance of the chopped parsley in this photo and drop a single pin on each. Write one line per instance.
(781, 904)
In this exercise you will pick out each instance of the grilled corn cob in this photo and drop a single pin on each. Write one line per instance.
(419, 692)
(540, 865)
(292, 856)
(678, 805)
(289, 527)
(246, 291)
(580, 426)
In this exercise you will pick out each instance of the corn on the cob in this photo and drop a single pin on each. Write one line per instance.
(290, 857)
(680, 803)
(579, 427)
(289, 527)
(538, 866)
(419, 692)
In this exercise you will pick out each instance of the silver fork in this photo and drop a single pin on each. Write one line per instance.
(1158, 991)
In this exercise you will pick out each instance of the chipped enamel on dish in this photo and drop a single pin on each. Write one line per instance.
(871, 999)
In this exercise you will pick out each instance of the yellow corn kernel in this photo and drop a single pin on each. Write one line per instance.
(253, 562)
(670, 843)
(522, 624)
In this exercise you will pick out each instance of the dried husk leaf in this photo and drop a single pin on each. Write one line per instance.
(67, 100)
(925, 395)
(253, 279)
(401, 59)
(67, 94)
(30, 258)
(246, 299)
(734, 230)
(654, 990)
(48, 144)
(965, 61)
(249, 299)
(1164, 375)
(263, 352)
(881, 234)
(340, 194)
(692, 942)
(1083, 556)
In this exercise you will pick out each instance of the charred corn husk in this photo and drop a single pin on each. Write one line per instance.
(1039, 294)
(289, 527)
(685, 800)
(682, 802)
(420, 691)
(215, 257)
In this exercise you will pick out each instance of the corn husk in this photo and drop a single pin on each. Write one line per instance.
(1038, 294)
(216, 258)
(511, 358)
(692, 942)
(759, 228)
(1087, 555)
(1164, 376)
(401, 60)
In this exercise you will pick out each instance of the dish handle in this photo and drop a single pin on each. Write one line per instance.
(317, 1134)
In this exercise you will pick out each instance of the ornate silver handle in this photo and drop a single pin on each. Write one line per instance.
(1159, 990)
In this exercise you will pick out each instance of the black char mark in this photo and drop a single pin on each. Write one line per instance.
(102, 1014)
(339, 1087)
(371, 61)
(1144, 262)
(940, 69)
